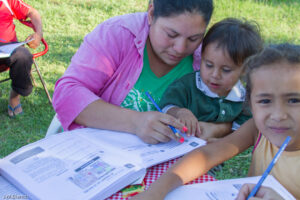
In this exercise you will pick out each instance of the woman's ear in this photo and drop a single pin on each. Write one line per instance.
(150, 12)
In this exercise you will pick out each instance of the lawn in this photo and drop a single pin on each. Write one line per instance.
(66, 22)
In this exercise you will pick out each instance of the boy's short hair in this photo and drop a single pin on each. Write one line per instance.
(240, 38)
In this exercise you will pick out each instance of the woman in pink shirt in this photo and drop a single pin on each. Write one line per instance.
(125, 56)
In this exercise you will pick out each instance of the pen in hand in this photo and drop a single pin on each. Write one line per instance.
(269, 168)
(181, 140)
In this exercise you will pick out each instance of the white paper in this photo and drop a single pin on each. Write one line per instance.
(85, 163)
(224, 189)
(146, 155)
(131, 146)
(6, 50)
(140, 180)
(68, 167)
(9, 191)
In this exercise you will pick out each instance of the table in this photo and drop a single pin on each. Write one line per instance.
(154, 172)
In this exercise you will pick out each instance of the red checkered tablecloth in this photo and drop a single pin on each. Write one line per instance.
(154, 172)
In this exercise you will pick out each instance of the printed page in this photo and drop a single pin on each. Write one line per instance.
(132, 146)
(224, 189)
(66, 166)
(9, 191)
(6, 50)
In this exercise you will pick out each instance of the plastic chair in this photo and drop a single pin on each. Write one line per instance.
(55, 127)
(37, 69)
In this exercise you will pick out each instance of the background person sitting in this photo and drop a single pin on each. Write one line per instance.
(21, 59)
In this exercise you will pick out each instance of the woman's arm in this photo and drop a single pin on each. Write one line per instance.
(151, 127)
(199, 161)
(94, 76)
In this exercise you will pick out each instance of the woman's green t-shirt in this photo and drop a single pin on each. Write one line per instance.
(156, 86)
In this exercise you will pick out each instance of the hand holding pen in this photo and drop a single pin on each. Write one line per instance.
(264, 193)
(269, 168)
(177, 133)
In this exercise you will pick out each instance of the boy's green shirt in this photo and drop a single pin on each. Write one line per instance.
(184, 93)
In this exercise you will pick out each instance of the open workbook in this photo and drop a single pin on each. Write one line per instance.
(224, 189)
(7, 49)
(86, 163)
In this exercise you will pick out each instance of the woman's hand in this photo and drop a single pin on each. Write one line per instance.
(188, 119)
(264, 193)
(152, 127)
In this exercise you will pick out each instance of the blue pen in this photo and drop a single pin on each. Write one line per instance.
(269, 168)
(157, 107)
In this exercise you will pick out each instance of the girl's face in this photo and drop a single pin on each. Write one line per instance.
(275, 102)
(175, 37)
(218, 71)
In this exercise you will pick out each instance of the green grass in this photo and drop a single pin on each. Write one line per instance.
(66, 22)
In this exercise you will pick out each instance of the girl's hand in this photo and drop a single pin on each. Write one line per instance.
(189, 120)
(264, 193)
(152, 127)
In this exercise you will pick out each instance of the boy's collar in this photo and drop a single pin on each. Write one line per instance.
(236, 94)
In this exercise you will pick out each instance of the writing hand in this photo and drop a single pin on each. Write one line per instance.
(152, 127)
(264, 193)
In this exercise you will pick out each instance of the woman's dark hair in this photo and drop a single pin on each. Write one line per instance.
(167, 8)
(271, 54)
(240, 38)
